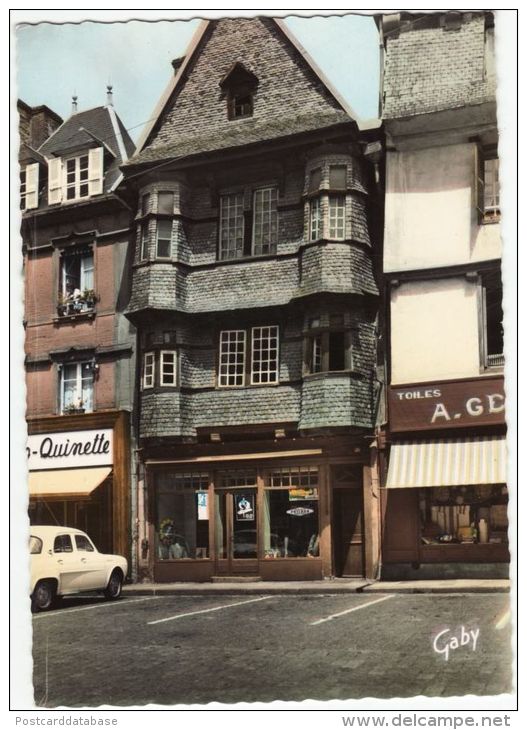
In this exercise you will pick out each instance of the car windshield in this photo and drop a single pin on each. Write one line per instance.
(35, 545)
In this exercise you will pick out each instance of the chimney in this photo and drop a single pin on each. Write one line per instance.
(176, 63)
(109, 95)
(74, 104)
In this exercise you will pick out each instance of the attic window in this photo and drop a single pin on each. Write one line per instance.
(239, 85)
(241, 106)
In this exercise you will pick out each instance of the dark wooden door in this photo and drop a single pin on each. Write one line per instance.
(236, 532)
(348, 532)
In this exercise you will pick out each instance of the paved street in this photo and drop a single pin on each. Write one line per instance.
(198, 649)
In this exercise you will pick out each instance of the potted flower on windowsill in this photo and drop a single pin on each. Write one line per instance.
(89, 298)
(73, 409)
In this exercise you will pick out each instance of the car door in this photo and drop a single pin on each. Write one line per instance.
(95, 566)
(69, 566)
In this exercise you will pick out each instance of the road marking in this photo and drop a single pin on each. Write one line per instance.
(503, 619)
(350, 610)
(97, 605)
(207, 610)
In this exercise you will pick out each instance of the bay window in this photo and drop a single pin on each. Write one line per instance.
(164, 239)
(265, 221)
(261, 364)
(167, 367)
(148, 370)
(231, 226)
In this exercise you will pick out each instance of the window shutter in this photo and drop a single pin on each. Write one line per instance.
(32, 186)
(95, 170)
(54, 180)
(479, 182)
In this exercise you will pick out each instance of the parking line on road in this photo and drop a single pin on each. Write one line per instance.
(350, 610)
(207, 610)
(97, 605)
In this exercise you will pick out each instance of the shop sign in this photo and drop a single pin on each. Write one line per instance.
(203, 505)
(300, 511)
(244, 507)
(299, 495)
(70, 449)
(451, 404)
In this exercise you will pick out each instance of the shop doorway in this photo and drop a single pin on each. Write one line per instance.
(348, 532)
(236, 532)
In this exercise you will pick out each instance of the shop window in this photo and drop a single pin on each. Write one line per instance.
(231, 226)
(235, 478)
(148, 370)
(265, 221)
(492, 294)
(488, 185)
(291, 519)
(76, 279)
(164, 239)
(76, 387)
(264, 355)
(464, 515)
(167, 367)
(182, 516)
(232, 358)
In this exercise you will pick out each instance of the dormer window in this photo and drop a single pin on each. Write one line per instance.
(239, 85)
(75, 177)
(241, 106)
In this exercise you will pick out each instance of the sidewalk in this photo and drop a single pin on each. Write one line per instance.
(337, 587)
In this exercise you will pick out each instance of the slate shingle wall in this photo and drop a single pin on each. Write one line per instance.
(331, 400)
(432, 69)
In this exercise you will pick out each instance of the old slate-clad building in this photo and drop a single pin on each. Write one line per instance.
(255, 302)
(79, 345)
(445, 506)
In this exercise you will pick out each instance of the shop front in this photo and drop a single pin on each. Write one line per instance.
(445, 500)
(297, 517)
(79, 476)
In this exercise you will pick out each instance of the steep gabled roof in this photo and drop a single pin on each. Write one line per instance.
(182, 124)
(98, 126)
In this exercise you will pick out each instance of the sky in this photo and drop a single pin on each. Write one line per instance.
(135, 58)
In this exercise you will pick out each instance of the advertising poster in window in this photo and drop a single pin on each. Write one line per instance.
(300, 495)
(203, 505)
(244, 504)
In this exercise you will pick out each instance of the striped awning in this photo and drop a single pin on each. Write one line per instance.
(447, 462)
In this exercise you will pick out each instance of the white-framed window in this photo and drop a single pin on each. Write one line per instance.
(231, 371)
(76, 387)
(144, 240)
(29, 187)
(168, 367)
(316, 355)
(491, 202)
(231, 226)
(315, 219)
(148, 370)
(337, 217)
(77, 285)
(265, 221)
(264, 355)
(76, 177)
(164, 239)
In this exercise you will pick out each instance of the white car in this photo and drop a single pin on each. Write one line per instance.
(64, 561)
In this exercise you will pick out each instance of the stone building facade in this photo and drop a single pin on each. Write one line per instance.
(445, 502)
(79, 347)
(255, 302)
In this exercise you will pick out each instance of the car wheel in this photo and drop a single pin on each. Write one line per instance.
(115, 586)
(43, 596)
